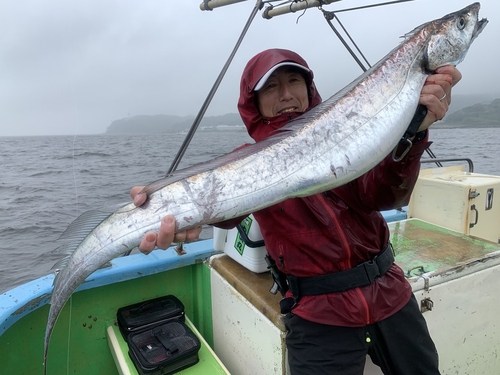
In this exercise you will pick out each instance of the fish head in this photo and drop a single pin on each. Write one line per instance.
(452, 35)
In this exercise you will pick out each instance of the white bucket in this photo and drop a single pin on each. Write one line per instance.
(252, 258)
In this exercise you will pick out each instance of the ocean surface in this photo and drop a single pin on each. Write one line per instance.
(47, 181)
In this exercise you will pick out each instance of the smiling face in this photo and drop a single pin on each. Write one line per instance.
(285, 91)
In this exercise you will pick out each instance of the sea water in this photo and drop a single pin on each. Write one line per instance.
(47, 181)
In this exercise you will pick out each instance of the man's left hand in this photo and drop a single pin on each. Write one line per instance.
(436, 94)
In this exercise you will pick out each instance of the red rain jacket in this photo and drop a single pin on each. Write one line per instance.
(335, 230)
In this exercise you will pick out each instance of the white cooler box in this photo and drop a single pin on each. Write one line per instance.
(458, 200)
(252, 258)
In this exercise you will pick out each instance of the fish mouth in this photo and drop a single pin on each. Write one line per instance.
(480, 25)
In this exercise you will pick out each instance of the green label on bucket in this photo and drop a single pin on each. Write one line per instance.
(239, 244)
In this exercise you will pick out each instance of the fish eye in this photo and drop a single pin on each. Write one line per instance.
(461, 23)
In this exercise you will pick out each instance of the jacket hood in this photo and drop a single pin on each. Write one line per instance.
(259, 127)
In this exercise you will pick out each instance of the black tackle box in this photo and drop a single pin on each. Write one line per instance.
(164, 349)
(159, 341)
(147, 314)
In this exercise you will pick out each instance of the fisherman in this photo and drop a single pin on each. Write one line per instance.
(333, 323)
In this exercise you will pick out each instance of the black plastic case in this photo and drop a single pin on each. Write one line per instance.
(164, 349)
(148, 314)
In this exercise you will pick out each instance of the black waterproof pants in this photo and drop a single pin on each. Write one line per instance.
(400, 345)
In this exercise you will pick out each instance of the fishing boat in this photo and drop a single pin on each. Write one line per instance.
(447, 240)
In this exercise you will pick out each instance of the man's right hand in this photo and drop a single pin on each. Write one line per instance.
(164, 238)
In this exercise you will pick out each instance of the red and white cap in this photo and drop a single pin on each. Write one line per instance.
(265, 77)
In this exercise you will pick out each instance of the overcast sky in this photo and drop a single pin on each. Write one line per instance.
(73, 67)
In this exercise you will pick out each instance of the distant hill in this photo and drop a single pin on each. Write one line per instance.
(168, 123)
(460, 101)
(465, 111)
(478, 115)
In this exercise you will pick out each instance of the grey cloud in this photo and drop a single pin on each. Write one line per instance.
(70, 67)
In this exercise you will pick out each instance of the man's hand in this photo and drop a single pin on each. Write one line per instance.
(436, 94)
(164, 238)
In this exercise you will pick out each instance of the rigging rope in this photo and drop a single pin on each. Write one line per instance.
(329, 16)
(203, 109)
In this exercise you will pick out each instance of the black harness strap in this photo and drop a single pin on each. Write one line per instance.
(411, 131)
(362, 275)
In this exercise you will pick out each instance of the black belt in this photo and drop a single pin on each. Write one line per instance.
(361, 275)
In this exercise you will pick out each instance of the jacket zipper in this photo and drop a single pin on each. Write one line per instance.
(346, 246)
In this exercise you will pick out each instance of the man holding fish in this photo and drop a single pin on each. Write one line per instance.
(315, 181)
(332, 331)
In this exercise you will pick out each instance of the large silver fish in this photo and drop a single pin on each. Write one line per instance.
(332, 144)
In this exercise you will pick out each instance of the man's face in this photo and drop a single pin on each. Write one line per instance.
(284, 91)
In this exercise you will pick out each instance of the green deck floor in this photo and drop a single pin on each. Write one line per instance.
(423, 247)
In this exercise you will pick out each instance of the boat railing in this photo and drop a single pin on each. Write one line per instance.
(469, 162)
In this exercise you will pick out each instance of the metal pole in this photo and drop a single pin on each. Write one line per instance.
(203, 109)
(211, 4)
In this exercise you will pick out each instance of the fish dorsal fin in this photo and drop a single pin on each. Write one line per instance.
(63, 262)
(411, 34)
(83, 224)
(80, 228)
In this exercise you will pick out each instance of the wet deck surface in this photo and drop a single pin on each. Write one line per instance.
(421, 244)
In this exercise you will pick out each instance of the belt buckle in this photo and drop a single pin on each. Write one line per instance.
(372, 270)
(287, 304)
